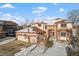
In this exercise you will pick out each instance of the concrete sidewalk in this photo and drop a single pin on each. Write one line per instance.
(36, 52)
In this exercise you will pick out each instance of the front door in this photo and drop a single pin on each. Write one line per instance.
(50, 33)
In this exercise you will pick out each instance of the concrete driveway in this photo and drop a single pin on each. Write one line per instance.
(58, 49)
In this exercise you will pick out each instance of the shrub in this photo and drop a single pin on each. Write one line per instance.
(50, 43)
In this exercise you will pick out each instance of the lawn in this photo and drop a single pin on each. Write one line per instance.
(13, 47)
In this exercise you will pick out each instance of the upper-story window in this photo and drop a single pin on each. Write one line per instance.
(63, 25)
(39, 25)
(45, 27)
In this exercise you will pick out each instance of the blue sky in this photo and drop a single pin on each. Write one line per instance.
(21, 12)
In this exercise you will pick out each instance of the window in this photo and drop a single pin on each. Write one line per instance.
(0, 26)
(63, 34)
(39, 24)
(63, 25)
(53, 33)
(45, 27)
(24, 35)
(33, 29)
(19, 34)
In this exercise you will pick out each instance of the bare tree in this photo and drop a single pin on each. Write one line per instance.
(73, 16)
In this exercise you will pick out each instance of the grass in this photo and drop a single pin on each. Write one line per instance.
(13, 47)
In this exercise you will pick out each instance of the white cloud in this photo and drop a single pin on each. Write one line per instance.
(0, 12)
(18, 19)
(54, 3)
(61, 10)
(16, 12)
(50, 17)
(39, 10)
(7, 15)
(7, 6)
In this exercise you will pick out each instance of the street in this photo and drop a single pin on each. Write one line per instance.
(6, 40)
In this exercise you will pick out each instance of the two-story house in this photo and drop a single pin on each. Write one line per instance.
(10, 28)
(7, 28)
(58, 29)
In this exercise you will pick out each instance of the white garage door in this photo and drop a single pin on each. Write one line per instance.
(22, 38)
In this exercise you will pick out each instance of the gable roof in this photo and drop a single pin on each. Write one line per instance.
(8, 22)
(39, 22)
(32, 29)
(52, 22)
(39, 31)
(63, 21)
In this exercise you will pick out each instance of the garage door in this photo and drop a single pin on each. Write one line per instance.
(22, 38)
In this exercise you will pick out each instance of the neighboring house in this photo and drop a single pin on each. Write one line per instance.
(7, 28)
(30, 34)
(10, 28)
(2, 32)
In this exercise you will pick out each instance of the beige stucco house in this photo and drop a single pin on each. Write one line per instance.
(58, 29)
